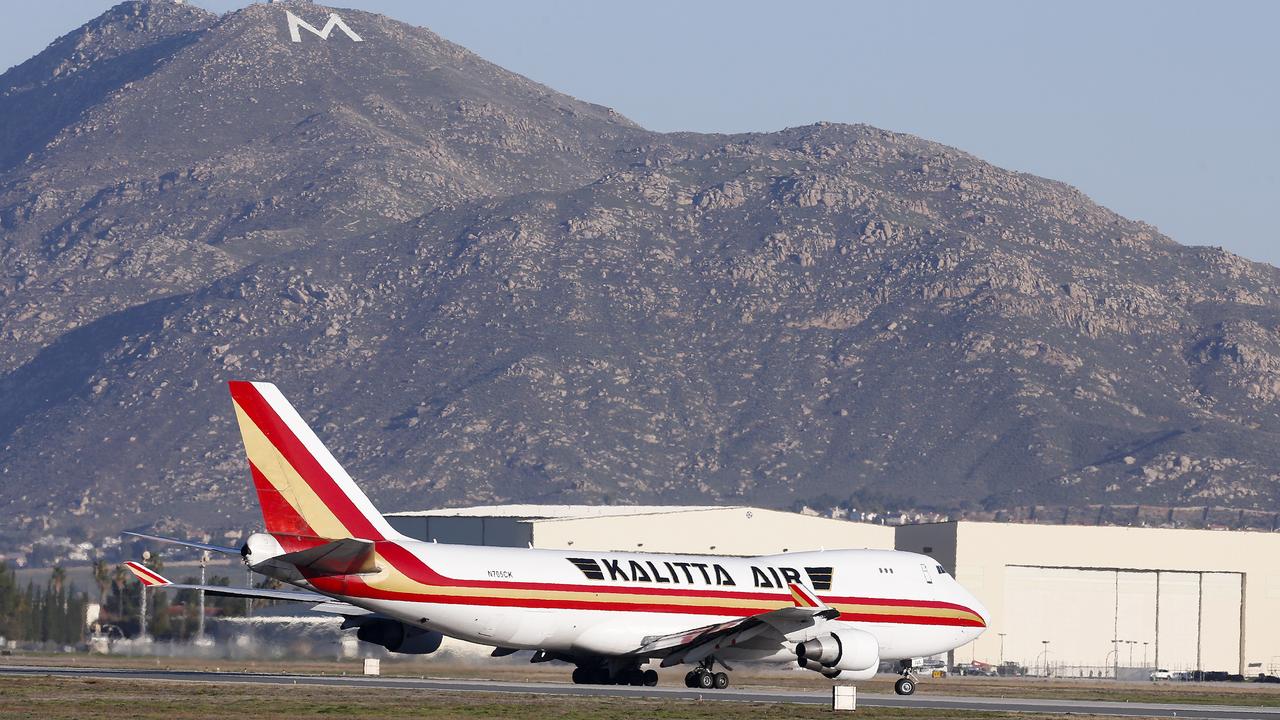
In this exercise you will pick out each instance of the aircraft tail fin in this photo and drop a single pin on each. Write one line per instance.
(302, 488)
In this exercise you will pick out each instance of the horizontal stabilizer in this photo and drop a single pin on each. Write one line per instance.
(348, 556)
(188, 543)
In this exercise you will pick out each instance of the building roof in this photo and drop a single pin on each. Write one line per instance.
(559, 512)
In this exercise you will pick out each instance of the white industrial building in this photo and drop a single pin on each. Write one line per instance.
(1081, 600)
(692, 529)
(1073, 600)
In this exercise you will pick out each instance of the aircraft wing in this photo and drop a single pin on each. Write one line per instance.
(694, 645)
(256, 593)
(152, 579)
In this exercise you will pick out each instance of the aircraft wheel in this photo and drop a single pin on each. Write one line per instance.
(650, 678)
(691, 679)
(706, 680)
(905, 686)
(721, 680)
(580, 676)
(635, 677)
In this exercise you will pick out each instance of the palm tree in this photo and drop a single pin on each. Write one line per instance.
(102, 578)
(119, 576)
(59, 578)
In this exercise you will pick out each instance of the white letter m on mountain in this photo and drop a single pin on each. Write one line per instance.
(296, 22)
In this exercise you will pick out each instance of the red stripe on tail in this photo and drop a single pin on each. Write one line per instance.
(278, 516)
(296, 453)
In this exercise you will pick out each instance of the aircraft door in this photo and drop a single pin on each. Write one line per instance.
(928, 576)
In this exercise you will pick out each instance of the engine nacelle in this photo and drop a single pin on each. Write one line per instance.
(846, 649)
(399, 638)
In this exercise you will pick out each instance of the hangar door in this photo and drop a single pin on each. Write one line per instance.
(1089, 621)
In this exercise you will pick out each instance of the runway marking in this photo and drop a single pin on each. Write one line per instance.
(925, 701)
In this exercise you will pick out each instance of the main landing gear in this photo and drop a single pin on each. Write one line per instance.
(705, 678)
(906, 685)
(601, 675)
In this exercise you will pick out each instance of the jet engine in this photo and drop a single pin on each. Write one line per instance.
(399, 638)
(852, 652)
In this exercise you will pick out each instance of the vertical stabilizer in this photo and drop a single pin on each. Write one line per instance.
(301, 487)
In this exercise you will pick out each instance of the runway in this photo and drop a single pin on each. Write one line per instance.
(924, 700)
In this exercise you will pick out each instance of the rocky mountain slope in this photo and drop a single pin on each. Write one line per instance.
(480, 290)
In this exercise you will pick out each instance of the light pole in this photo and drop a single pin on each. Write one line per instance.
(1045, 654)
(1002, 648)
(1131, 643)
(204, 561)
(142, 615)
(1144, 654)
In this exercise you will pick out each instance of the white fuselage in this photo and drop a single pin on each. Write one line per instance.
(583, 603)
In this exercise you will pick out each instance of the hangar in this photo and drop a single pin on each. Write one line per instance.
(693, 529)
(1107, 601)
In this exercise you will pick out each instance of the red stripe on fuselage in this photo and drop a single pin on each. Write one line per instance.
(413, 568)
(355, 587)
(277, 431)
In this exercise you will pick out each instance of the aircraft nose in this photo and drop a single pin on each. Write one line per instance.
(981, 610)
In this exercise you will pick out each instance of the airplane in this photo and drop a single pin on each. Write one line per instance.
(836, 612)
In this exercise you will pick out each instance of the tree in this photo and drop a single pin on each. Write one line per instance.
(102, 578)
(119, 580)
(10, 601)
(58, 579)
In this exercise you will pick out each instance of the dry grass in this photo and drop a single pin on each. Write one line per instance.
(49, 698)
(509, 670)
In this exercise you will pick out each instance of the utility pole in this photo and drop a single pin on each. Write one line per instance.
(204, 561)
(1002, 648)
(248, 601)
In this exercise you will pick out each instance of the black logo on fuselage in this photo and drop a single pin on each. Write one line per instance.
(695, 573)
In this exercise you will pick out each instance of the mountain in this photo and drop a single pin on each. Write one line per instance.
(161, 146)
(480, 290)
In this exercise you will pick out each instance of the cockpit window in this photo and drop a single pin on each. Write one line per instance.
(941, 571)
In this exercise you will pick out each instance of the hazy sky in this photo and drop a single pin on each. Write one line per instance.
(1168, 112)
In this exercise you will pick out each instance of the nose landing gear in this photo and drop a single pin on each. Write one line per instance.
(906, 685)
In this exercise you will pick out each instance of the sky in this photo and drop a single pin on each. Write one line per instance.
(1164, 111)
